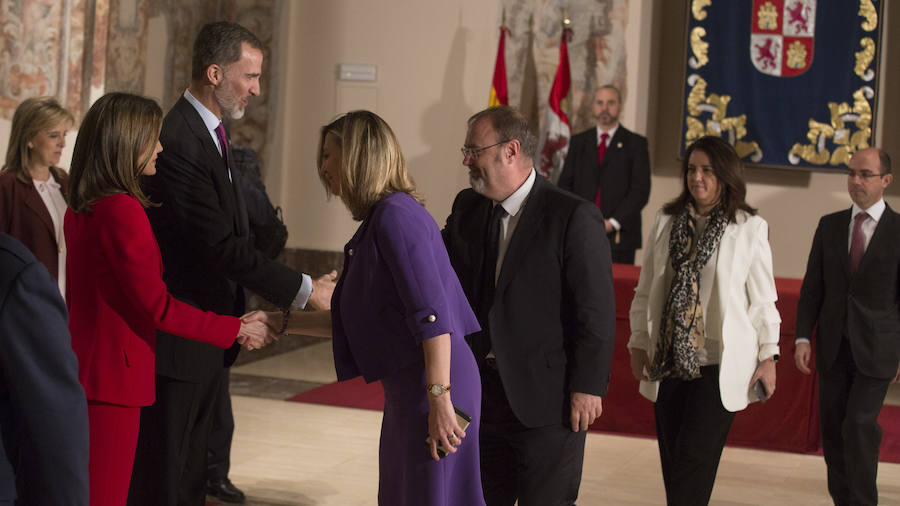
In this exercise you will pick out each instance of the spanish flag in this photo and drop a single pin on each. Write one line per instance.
(499, 94)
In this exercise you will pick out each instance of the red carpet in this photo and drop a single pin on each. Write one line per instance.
(356, 393)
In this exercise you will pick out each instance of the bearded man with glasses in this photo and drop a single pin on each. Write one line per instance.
(535, 265)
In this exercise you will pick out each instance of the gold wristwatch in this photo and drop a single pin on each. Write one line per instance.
(436, 389)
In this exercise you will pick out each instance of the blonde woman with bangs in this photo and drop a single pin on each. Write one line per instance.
(399, 316)
(33, 189)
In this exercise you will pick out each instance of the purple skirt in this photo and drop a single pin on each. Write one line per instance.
(407, 474)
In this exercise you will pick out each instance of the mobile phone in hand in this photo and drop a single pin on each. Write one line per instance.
(463, 419)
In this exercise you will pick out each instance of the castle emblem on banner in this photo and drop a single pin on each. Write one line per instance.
(782, 36)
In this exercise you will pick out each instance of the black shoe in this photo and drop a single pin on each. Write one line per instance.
(225, 490)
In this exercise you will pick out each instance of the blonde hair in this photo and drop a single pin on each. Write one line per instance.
(31, 117)
(372, 163)
(113, 146)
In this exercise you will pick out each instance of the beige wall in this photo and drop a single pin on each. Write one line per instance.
(434, 62)
(431, 57)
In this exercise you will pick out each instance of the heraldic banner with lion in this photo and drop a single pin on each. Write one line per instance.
(790, 83)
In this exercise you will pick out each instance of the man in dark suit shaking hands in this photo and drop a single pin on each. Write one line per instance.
(209, 258)
(851, 298)
(534, 262)
(610, 166)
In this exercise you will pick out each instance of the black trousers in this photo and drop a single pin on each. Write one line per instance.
(620, 255)
(537, 466)
(218, 457)
(691, 428)
(849, 404)
(170, 461)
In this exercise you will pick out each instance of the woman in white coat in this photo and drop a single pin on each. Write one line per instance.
(704, 327)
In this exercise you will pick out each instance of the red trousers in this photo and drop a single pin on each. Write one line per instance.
(114, 433)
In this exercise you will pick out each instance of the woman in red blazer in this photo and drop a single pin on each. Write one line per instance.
(33, 189)
(115, 294)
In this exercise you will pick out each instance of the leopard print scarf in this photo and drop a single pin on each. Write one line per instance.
(682, 331)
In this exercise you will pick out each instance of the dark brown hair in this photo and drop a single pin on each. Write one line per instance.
(885, 159)
(220, 44)
(509, 124)
(31, 117)
(727, 168)
(610, 87)
(113, 146)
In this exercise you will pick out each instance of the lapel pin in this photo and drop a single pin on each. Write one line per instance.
(619, 145)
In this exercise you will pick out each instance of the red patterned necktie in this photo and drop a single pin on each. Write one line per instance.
(857, 243)
(601, 152)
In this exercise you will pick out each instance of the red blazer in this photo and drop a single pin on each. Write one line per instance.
(24, 216)
(117, 300)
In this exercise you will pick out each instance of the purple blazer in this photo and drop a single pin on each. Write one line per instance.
(396, 290)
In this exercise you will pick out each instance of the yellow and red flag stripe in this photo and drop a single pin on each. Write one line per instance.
(499, 92)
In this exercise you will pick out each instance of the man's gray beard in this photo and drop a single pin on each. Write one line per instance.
(236, 113)
(477, 184)
(232, 110)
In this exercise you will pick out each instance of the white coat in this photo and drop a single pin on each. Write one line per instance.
(745, 287)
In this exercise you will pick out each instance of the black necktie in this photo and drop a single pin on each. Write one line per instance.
(488, 276)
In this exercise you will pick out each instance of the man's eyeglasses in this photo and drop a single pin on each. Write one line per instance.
(473, 153)
(862, 174)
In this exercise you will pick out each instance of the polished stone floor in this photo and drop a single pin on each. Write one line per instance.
(289, 453)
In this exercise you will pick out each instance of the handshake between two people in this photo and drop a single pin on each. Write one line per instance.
(254, 332)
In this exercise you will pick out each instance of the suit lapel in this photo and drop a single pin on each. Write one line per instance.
(35, 203)
(476, 234)
(529, 224)
(843, 240)
(613, 151)
(727, 250)
(231, 201)
(880, 235)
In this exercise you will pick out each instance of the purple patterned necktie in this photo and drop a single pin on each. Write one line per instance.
(220, 133)
(857, 243)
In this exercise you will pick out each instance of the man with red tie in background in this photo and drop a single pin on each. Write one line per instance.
(610, 166)
(850, 297)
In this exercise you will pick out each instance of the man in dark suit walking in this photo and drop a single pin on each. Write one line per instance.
(208, 256)
(610, 166)
(43, 412)
(534, 262)
(851, 298)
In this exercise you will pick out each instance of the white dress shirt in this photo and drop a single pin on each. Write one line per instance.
(868, 225)
(513, 206)
(51, 194)
(212, 122)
